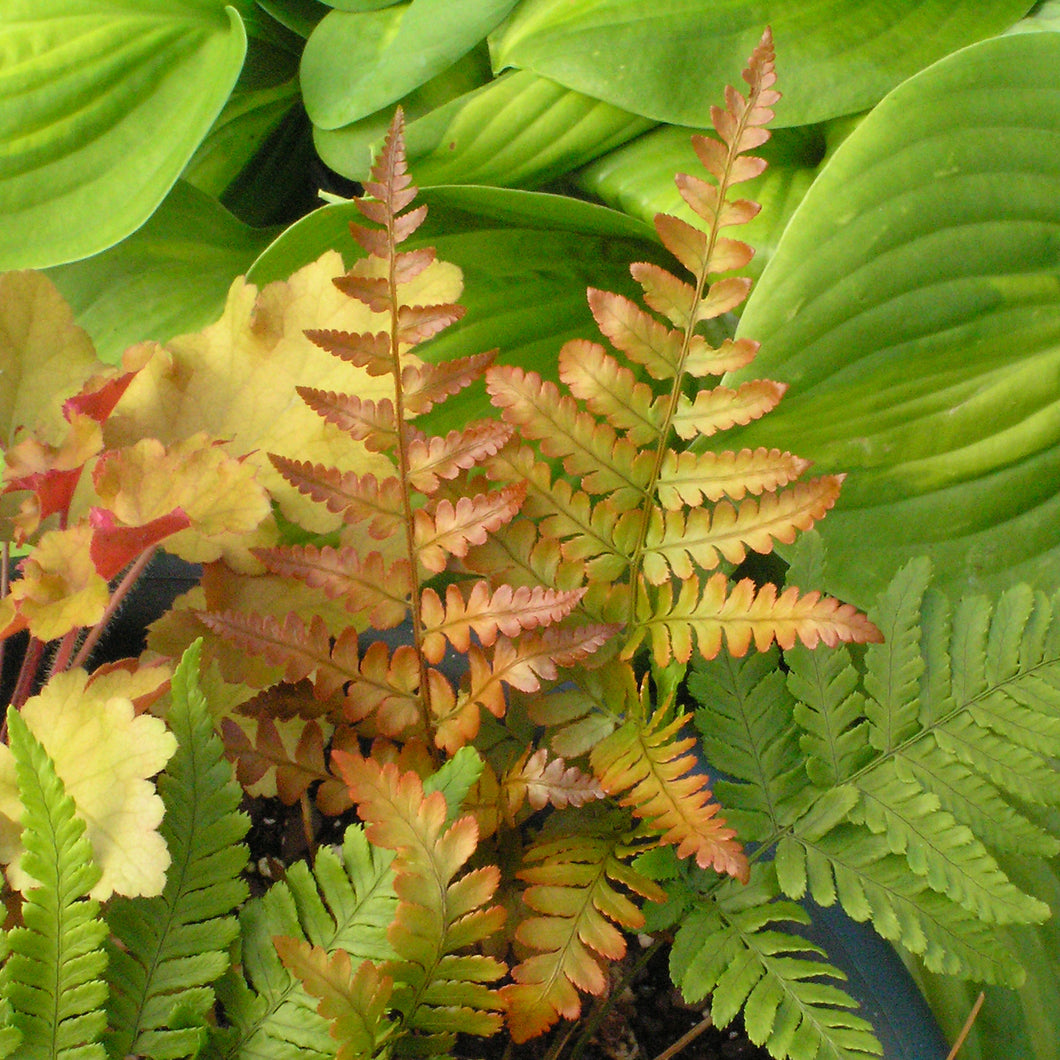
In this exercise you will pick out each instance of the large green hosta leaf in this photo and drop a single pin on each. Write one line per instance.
(101, 106)
(914, 307)
(670, 59)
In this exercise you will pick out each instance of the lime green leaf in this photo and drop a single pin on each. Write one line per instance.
(520, 130)
(356, 63)
(104, 754)
(168, 278)
(52, 975)
(670, 60)
(912, 308)
(104, 105)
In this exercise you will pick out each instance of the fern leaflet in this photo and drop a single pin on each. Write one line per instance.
(53, 975)
(168, 950)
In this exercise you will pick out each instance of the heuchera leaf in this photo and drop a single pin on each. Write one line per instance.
(104, 754)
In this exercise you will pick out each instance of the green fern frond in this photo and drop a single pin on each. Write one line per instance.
(730, 947)
(345, 902)
(167, 951)
(894, 823)
(53, 975)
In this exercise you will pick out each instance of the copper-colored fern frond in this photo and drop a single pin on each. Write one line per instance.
(651, 768)
(443, 907)
(574, 888)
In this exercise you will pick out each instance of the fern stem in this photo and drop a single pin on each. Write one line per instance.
(686, 1039)
(967, 1028)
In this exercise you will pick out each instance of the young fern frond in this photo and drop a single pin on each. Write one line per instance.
(438, 990)
(647, 520)
(167, 951)
(53, 975)
(402, 529)
(578, 914)
(344, 903)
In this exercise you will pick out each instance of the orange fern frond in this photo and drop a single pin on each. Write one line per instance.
(688, 478)
(487, 612)
(370, 352)
(442, 908)
(304, 651)
(364, 583)
(355, 1002)
(451, 529)
(376, 503)
(435, 458)
(386, 686)
(572, 887)
(650, 768)
(540, 780)
(425, 385)
(293, 751)
(679, 542)
(721, 408)
(746, 616)
(373, 422)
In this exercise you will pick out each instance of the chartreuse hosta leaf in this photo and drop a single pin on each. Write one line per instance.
(168, 950)
(103, 105)
(670, 59)
(912, 307)
(52, 977)
(357, 62)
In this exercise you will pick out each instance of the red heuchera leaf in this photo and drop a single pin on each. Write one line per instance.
(98, 397)
(114, 547)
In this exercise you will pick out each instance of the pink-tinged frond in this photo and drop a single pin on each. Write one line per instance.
(446, 529)
(369, 583)
(374, 241)
(637, 333)
(488, 612)
(729, 254)
(688, 478)
(666, 294)
(295, 767)
(702, 616)
(425, 385)
(679, 542)
(703, 197)
(303, 651)
(408, 264)
(370, 352)
(610, 389)
(435, 458)
(373, 291)
(417, 323)
(389, 181)
(720, 408)
(387, 687)
(590, 450)
(540, 780)
(375, 502)
(371, 422)
(650, 769)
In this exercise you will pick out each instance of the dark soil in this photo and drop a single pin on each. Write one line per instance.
(644, 1018)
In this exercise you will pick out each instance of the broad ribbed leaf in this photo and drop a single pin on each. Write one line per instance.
(670, 60)
(87, 89)
(911, 306)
